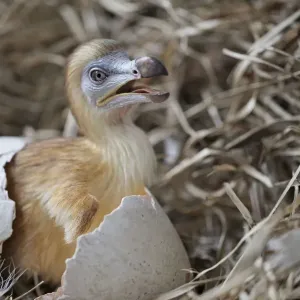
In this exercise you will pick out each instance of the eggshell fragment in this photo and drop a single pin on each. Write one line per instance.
(134, 254)
(9, 146)
(12, 144)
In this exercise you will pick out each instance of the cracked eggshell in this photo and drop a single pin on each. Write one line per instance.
(9, 146)
(134, 254)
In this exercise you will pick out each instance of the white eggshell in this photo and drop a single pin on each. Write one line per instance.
(8, 147)
(134, 254)
(12, 144)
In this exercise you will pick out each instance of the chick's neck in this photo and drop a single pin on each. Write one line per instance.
(123, 145)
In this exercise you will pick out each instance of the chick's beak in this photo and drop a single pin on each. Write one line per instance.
(147, 67)
(150, 67)
(132, 91)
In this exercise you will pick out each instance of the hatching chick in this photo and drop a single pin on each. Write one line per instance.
(64, 187)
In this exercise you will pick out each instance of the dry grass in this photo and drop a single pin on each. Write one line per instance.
(227, 141)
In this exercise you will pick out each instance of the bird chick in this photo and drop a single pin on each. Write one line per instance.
(64, 187)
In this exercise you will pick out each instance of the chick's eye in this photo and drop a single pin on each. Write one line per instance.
(97, 75)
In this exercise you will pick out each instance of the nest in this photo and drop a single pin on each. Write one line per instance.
(227, 141)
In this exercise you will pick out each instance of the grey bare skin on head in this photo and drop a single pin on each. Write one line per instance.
(110, 82)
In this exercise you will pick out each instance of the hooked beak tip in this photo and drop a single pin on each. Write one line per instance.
(150, 67)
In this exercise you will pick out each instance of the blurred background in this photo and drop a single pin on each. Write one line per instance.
(227, 139)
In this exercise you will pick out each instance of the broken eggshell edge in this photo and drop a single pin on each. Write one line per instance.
(134, 254)
(9, 146)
